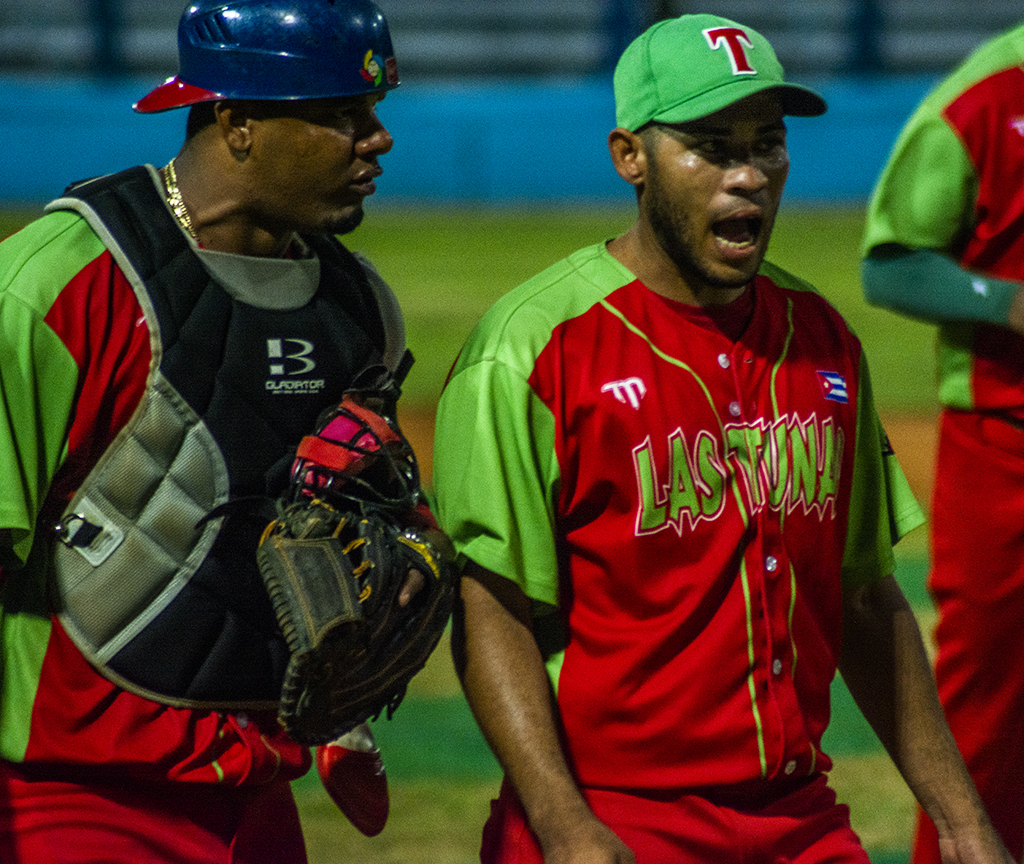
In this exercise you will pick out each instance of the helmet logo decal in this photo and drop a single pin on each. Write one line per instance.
(277, 49)
(373, 69)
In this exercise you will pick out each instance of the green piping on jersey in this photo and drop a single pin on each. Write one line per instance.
(789, 616)
(668, 358)
(277, 756)
(744, 516)
(751, 659)
(782, 357)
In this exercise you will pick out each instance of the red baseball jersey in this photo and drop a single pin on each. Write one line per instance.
(953, 184)
(683, 508)
(72, 377)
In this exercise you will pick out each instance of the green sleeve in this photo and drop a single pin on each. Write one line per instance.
(495, 475)
(38, 375)
(925, 195)
(890, 272)
(882, 507)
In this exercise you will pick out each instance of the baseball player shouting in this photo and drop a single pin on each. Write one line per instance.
(943, 243)
(662, 465)
(169, 337)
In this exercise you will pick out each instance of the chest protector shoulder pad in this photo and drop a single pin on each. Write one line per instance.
(137, 531)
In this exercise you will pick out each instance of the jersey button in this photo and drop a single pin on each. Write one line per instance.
(777, 666)
(734, 409)
(790, 766)
(723, 360)
(771, 563)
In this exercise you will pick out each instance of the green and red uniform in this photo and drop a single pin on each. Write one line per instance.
(131, 779)
(683, 502)
(952, 187)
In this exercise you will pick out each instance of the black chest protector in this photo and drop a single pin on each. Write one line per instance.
(164, 600)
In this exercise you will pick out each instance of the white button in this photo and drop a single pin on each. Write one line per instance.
(243, 720)
(734, 409)
(723, 360)
(777, 666)
(790, 766)
(770, 563)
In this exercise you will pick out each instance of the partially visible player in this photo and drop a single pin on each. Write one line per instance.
(662, 466)
(944, 243)
(169, 335)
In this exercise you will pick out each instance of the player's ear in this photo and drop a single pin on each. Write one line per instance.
(629, 155)
(235, 123)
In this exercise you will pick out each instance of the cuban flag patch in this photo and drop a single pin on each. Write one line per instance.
(833, 386)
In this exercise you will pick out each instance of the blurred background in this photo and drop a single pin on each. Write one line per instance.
(484, 82)
(502, 38)
(500, 168)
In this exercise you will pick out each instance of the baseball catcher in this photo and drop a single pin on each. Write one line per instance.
(351, 532)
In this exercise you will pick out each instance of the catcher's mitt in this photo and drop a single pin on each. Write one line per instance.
(334, 563)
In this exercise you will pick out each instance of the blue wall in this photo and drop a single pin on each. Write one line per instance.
(499, 143)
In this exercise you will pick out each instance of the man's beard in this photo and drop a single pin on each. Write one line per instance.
(674, 234)
(347, 224)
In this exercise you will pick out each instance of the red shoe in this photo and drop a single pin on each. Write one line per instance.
(352, 772)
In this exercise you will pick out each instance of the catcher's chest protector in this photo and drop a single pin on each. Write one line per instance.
(163, 600)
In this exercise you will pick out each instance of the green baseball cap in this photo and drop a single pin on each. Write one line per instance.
(688, 67)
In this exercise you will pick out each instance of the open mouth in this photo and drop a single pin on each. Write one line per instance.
(739, 233)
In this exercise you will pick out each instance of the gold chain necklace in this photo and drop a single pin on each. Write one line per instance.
(174, 200)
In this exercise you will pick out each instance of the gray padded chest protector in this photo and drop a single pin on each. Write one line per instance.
(137, 529)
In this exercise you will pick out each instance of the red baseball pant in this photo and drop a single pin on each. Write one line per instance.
(46, 820)
(977, 582)
(806, 826)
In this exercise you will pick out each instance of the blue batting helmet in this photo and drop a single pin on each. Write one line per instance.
(277, 49)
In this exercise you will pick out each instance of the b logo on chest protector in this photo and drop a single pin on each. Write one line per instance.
(302, 361)
(290, 358)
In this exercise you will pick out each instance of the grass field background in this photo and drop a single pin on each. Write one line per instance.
(447, 266)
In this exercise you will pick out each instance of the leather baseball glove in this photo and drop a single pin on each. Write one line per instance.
(348, 533)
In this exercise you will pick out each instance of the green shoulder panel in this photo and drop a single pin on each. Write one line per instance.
(40, 259)
(928, 185)
(926, 189)
(533, 309)
(494, 449)
(38, 377)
